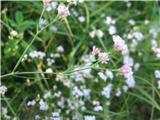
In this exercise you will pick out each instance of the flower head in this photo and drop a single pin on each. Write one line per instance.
(46, 2)
(126, 71)
(119, 43)
(95, 50)
(103, 57)
(63, 10)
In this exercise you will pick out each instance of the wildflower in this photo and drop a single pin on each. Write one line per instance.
(73, 1)
(159, 84)
(46, 2)
(60, 49)
(81, 18)
(112, 30)
(92, 34)
(49, 70)
(118, 92)
(3, 90)
(103, 57)
(99, 33)
(47, 95)
(95, 51)
(102, 76)
(31, 103)
(107, 91)
(89, 117)
(43, 105)
(126, 70)
(132, 22)
(14, 33)
(130, 82)
(119, 43)
(63, 11)
(157, 73)
(109, 74)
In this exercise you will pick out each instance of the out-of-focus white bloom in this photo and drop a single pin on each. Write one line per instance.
(103, 57)
(130, 82)
(99, 33)
(3, 90)
(4, 113)
(109, 20)
(56, 116)
(138, 35)
(43, 105)
(146, 22)
(132, 22)
(119, 43)
(51, 5)
(53, 28)
(102, 76)
(89, 117)
(13, 33)
(37, 117)
(109, 74)
(63, 11)
(128, 60)
(157, 73)
(50, 61)
(98, 108)
(37, 54)
(47, 95)
(58, 94)
(49, 70)
(81, 19)
(129, 4)
(125, 88)
(31, 103)
(107, 91)
(73, 1)
(126, 71)
(60, 49)
(158, 84)
(112, 30)
(42, 23)
(92, 34)
(118, 92)
(137, 66)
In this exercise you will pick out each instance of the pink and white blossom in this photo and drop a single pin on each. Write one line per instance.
(63, 11)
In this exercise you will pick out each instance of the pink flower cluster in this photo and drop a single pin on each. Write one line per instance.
(103, 57)
(119, 43)
(63, 11)
(126, 71)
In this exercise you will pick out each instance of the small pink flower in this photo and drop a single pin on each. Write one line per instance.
(119, 43)
(46, 2)
(95, 51)
(63, 10)
(126, 71)
(103, 57)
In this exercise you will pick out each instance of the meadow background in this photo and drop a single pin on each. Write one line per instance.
(51, 81)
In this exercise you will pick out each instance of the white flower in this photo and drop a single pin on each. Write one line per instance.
(63, 11)
(157, 73)
(125, 88)
(3, 90)
(137, 66)
(14, 33)
(98, 108)
(53, 28)
(47, 95)
(118, 92)
(112, 30)
(92, 34)
(146, 22)
(99, 33)
(159, 84)
(107, 91)
(60, 49)
(81, 18)
(102, 76)
(138, 35)
(42, 22)
(109, 74)
(49, 70)
(89, 117)
(130, 82)
(31, 103)
(132, 22)
(43, 105)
